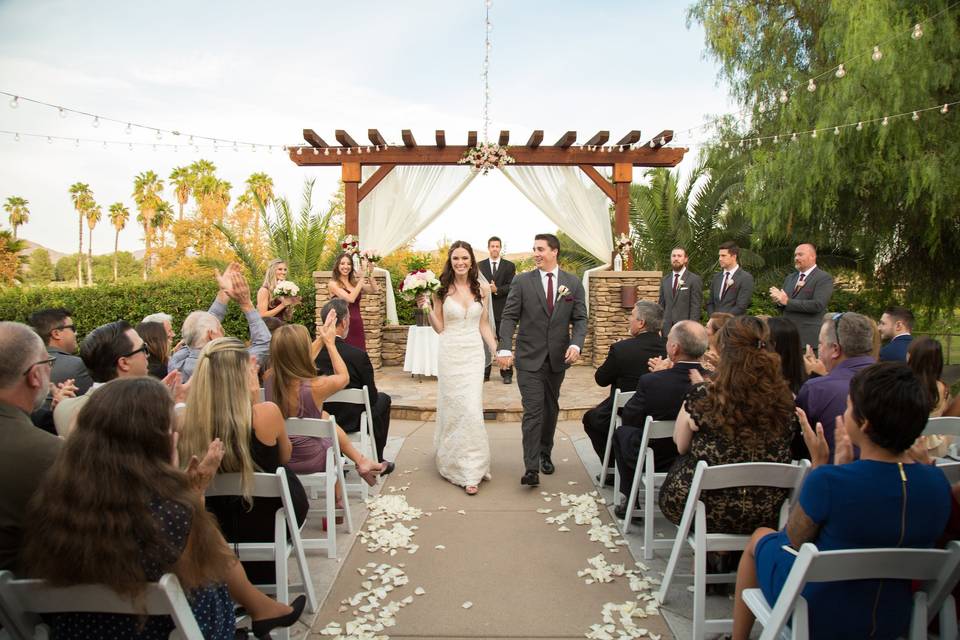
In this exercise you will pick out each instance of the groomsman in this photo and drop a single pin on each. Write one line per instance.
(499, 272)
(730, 290)
(681, 292)
(805, 294)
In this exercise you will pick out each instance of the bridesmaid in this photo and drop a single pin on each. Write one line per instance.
(347, 285)
(269, 305)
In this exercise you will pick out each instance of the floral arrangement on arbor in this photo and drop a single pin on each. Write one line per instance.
(486, 156)
(286, 289)
(350, 245)
(624, 243)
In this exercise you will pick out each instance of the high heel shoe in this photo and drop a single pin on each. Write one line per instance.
(262, 628)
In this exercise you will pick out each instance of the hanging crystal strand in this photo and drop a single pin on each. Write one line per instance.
(486, 74)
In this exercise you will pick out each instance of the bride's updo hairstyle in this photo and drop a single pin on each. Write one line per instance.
(446, 278)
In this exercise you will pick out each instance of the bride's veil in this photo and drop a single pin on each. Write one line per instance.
(488, 359)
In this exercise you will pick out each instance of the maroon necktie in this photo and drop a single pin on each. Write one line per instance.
(723, 289)
(550, 293)
(676, 280)
(796, 289)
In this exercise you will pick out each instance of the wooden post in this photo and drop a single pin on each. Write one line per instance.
(622, 177)
(351, 200)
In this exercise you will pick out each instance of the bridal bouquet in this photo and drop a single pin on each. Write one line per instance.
(371, 256)
(286, 289)
(486, 156)
(350, 245)
(417, 282)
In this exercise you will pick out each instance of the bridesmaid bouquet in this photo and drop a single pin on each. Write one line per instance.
(286, 289)
(417, 282)
(371, 256)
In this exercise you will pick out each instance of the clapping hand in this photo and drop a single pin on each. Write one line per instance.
(778, 295)
(328, 330)
(66, 389)
(178, 390)
(842, 446)
(812, 363)
(816, 442)
(657, 363)
(224, 280)
(201, 472)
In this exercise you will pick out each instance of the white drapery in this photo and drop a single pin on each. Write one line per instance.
(407, 200)
(571, 200)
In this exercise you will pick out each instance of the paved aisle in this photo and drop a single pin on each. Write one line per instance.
(518, 571)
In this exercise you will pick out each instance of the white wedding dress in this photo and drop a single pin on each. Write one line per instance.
(463, 451)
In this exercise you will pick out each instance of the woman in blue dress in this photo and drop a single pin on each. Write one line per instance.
(883, 499)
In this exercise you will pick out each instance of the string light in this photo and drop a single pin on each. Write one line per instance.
(840, 71)
(128, 130)
(96, 122)
(299, 151)
(917, 32)
(944, 108)
(326, 152)
(813, 134)
(783, 96)
(877, 54)
(916, 116)
(836, 131)
(886, 121)
(15, 102)
(859, 126)
(486, 71)
(63, 114)
(811, 86)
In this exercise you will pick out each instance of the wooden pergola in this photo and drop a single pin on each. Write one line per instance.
(595, 152)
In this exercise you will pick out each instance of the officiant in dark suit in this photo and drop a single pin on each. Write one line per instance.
(499, 272)
(681, 292)
(805, 294)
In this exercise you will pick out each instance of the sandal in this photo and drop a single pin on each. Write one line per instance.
(471, 490)
(370, 477)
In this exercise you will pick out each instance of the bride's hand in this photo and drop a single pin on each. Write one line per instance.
(484, 289)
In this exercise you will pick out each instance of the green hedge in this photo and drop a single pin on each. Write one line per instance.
(100, 304)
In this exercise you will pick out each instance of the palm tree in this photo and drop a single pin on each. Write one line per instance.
(82, 199)
(261, 186)
(93, 217)
(19, 213)
(147, 187)
(181, 178)
(162, 220)
(119, 214)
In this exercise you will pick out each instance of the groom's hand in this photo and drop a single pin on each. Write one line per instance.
(505, 362)
(573, 354)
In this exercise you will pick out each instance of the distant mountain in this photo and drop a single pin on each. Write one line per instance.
(56, 255)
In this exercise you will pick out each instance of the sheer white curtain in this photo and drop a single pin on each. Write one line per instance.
(402, 205)
(573, 202)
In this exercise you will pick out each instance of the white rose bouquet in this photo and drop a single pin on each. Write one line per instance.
(417, 282)
(286, 289)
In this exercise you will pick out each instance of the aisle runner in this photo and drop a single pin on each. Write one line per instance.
(510, 562)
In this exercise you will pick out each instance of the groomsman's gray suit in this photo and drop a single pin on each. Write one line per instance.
(806, 306)
(685, 304)
(542, 343)
(736, 298)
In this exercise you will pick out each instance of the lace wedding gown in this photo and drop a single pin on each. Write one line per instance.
(463, 451)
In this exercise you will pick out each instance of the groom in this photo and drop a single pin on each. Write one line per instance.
(546, 302)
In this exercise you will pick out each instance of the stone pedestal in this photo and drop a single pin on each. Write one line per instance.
(393, 345)
(609, 320)
(373, 308)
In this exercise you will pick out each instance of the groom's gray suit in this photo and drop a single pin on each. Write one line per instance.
(542, 343)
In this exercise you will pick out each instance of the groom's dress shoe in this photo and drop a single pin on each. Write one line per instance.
(546, 465)
(530, 479)
(507, 379)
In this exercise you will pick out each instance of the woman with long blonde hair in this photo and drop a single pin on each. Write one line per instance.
(347, 285)
(270, 305)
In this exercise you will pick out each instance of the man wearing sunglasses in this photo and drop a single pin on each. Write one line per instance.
(57, 330)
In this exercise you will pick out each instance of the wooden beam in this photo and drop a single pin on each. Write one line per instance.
(642, 156)
(631, 138)
(471, 138)
(315, 141)
(344, 138)
(504, 138)
(660, 139)
(535, 139)
(599, 139)
(376, 138)
(374, 180)
(568, 139)
(600, 181)
(441, 139)
(408, 140)
(350, 174)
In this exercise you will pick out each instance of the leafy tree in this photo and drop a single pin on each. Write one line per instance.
(11, 262)
(19, 211)
(41, 268)
(82, 198)
(889, 193)
(147, 187)
(119, 215)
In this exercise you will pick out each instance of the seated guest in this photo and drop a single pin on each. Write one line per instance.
(166, 320)
(659, 395)
(785, 341)
(625, 364)
(55, 327)
(906, 505)
(714, 324)
(149, 520)
(744, 413)
(846, 346)
(925, 359)
(158, 343)
(895, 326)
(361, 373)
(110, 351)
(25, 451)
(201, 327)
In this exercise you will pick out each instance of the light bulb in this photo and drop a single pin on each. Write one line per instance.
(316, 152)
(104, 144)
(348, 151)
(326, 152)
(783, 96)
(338, 150)
(859, 126)
(793, 137)
(813, 134)
(49, 140)
(128, 130)
(811, 86)
(776, 139)
(840, 71)
(253, 148)
(663, 141)
(299, 151)
(15, 102)
(368, 149)
(16, 138)
(877, 54)
(886, 121)
(944, 108)
(154, 148)
(917, 32)
(191, 140)
(741, 144)
(235, 149)
(836, 131)
(63, 114)
(176, 148)
(130, 147)
(159, 135)
(96, 121)
(652, 144)
(76, 143)
(916, 116)
(761, 107)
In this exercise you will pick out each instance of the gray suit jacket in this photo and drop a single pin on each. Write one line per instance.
(542, 336)
(686, 304)
(807, 307)
(736, 298)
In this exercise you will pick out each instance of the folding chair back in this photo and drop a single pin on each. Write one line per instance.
(951, 470)
(707, 478)
(938, 569)
(619, 400)
(645, 475)
(365, 436)
(948, 426)
(23, 601)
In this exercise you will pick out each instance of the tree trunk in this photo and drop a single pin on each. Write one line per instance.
(180, 216)
(14, 232)
(116, 242)
(80, 256)
(146, 254)
(90, 258)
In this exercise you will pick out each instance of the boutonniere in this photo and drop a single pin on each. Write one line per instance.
(680, 283)
(562, 292)
(800, 284)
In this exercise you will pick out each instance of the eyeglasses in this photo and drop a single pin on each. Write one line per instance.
(64, 327)
(48, 361)
(836, 326)
(143, 349)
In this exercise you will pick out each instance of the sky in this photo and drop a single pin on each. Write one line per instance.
(261, 73)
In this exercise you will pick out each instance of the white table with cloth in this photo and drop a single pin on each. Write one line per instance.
(423, 349)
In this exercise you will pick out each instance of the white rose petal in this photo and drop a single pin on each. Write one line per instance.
(440, 547)
(461, 512)
(467, 604)
(419, 591)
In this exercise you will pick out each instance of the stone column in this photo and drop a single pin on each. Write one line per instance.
(609, 320)
(373, 309)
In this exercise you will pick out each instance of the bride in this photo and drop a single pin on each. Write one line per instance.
(460, 315)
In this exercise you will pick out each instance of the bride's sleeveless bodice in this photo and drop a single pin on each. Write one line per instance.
(463, 452)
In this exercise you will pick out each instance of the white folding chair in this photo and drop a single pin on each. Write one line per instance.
(619, 399)
(650, 480)
(23, 601)
(364, 437)
(945, 427)
(279, 550)
(325, 480)
(951, 470)
(938, 569)
(707, 478)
